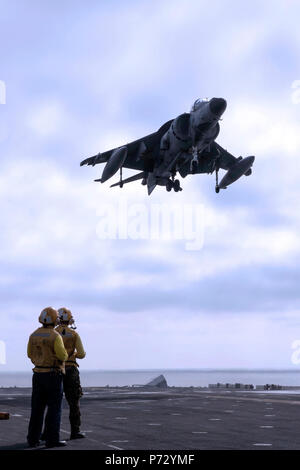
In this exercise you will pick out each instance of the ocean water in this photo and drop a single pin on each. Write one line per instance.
(178, 378)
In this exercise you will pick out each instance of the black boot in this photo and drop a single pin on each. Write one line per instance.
(49, 445)
(77, 435)
(33, 444)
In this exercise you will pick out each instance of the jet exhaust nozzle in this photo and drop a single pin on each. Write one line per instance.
(240, 168)
(114, 163)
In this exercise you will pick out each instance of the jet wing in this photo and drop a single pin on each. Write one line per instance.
(207, 161)
(236, 167)
(226, 160)
(141, 153)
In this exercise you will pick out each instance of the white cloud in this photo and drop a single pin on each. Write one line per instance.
(267, 130)
(162, 55)
(47, 119)
(169, 341)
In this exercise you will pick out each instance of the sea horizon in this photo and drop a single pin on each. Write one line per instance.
(192, 377)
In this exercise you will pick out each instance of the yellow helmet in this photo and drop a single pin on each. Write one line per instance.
(48, 316)
(65, 315)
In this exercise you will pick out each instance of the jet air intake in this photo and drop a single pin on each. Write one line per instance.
(217, 106)
(114, 163)
(240, 168)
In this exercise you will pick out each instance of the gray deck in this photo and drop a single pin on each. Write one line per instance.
(175, 418)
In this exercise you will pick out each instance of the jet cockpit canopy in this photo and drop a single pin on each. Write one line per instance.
(198, 103)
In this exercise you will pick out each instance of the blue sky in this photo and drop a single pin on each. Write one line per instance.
(83, 77)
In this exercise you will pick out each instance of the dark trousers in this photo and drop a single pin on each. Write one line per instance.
(73, 393)
(47, 391)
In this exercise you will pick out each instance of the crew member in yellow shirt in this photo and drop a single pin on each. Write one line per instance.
(47, 352)
(71, 380)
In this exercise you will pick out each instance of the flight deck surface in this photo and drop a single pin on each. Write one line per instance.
(128, 418)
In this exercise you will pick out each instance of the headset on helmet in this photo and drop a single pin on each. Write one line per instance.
(48, 316)
(65, 316)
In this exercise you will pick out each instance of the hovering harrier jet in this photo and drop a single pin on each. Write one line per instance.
(184, 145)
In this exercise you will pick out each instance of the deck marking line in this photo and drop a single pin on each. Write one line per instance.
(262, 444)
(113, 447)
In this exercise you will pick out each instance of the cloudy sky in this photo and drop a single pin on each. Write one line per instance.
(83, 77)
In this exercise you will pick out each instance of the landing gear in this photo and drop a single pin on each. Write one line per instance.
(173, 185)
(176, 186)
(194, 165)
(217, 189)
(169, 185)
(194, 161)
(121, 181)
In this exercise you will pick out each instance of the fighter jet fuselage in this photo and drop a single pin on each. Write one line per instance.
(185, 145)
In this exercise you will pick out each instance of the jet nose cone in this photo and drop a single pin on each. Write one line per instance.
(249, 160)
(217, 106)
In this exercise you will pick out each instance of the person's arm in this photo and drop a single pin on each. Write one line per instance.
(28, 350)
(80, 352)
(59, 349)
